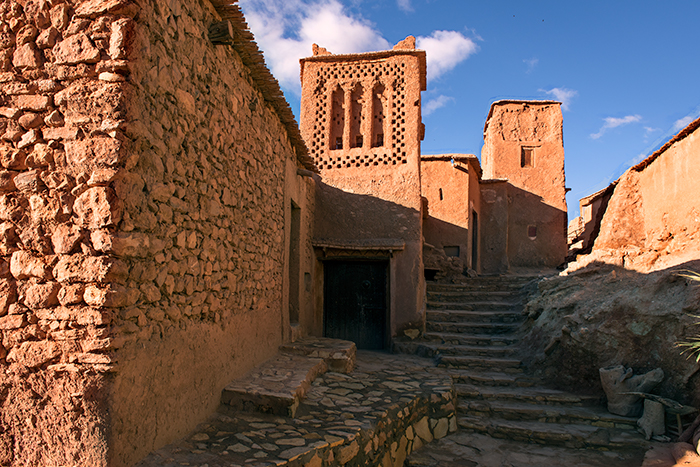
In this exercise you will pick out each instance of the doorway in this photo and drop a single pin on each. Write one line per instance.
(475, 241)
(355, 302)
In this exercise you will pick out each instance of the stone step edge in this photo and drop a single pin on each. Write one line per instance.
(456, 350)
(259, 392)
(338, 354)
(547, 433)
(534, 395)
(566, 414)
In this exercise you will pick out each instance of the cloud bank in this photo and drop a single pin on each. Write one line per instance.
(613, 122)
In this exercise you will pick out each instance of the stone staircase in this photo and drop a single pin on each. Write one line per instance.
(472, 330)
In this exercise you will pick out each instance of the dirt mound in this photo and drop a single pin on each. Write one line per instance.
(603, 315)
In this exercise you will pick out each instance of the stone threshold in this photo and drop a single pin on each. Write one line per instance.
(387, 407)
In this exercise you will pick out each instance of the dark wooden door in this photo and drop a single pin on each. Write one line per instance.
(355, 302)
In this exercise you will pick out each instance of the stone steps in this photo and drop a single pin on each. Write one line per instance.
(473, 339)
(471, 328)
(471, 316)
(482, 284)
(506, 365)
(473, 306)
(477, 295)
(535, 395)
(279, 385)
(425, 349)
(492, 378)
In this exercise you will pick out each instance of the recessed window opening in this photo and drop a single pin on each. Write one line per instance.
(441, 197)
(358, 141)
(379, 101)
(338, 118)
(527, 157)
(356, 104)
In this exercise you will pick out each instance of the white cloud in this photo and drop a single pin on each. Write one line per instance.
(563, 95)
(286, 30)
(613, 122)
(683, 122)
(433, 104)
(531, 63)
(405, 5)
(445, 50)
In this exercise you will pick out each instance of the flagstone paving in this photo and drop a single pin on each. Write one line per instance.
(387, 407)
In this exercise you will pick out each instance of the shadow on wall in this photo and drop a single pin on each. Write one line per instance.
(536, 231)
(602, 315)
(452, 239)
(519, 230)
(343, 215)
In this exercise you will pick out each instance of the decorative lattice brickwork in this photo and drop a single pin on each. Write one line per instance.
(325, 148)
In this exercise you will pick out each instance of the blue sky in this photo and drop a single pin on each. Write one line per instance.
(628, 72)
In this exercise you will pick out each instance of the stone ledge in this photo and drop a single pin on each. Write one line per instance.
(276, 387)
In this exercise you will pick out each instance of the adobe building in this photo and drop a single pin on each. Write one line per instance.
(523, 163)
(155, 222)
(361, 119)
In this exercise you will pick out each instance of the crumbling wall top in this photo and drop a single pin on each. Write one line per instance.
(514, 101)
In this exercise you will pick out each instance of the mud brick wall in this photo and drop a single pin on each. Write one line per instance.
(142, 226)
(652, 220)
(523, 143)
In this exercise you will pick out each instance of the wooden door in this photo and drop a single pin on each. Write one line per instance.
(355, 302)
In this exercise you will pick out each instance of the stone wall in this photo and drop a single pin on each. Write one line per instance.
(652, 220)
(143, 206)
(62, 109)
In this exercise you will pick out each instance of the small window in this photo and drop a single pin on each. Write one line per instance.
(532, 231)
(527, 157)
(339, 143)
(358, 141)
(441, 196)
(452, 251)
